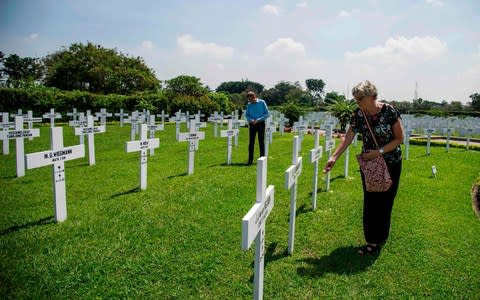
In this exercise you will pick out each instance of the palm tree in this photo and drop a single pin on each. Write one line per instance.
(342, 109)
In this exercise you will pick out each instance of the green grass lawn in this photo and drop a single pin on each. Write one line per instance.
(181, 237)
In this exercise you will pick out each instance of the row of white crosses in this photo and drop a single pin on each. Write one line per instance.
(253, 223)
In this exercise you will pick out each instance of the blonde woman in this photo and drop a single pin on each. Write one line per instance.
(386, 125)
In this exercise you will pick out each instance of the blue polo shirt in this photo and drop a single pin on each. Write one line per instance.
(257, 111)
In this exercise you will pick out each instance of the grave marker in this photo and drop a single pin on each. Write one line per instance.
(152, 127)
(253, 225)
(90, 130)
(19, 134)
(192, 137)
(428, 133)
(142, 145)
(329, 146)
(57, 158)
(315, 155)
(215, 119)
(52, 116)
(291, 180)
(121, 114)
(6, 124)
(346, 156)
(74, 114)
(408, 133)
(30, 120)
(269, 130)
(102, 115)
(228, 134)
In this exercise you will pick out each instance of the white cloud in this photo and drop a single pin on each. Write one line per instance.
(147, 44)
(301, 4)
(192, 47)
(401, 50)
(438, 3)
(285, 46)
(33, 36)
(271, 9)
(344, 13)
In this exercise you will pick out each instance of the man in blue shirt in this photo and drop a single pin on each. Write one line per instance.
(256, 114)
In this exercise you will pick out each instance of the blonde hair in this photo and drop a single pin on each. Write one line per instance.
(364, 88)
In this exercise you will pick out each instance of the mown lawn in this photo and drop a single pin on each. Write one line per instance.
(181, 237)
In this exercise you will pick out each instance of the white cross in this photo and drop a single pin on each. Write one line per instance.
(162, 115)
(291, 179)
(236, 125)
(142, 145)
(133, 120)
(301, 127)
(193, 137)
(228, 134)
(253, 225)
(103, 114)
(52, 116)
(121, 114)
(428, 132)
(178, 119)
(215, 119)
(6, 124)
(315, 155)
(282, 123)
(90, 130)
(19, 113)
(347, 156)
(19, 134)
(57, 158)
(30, 120)
(269, 130)
(73, 114)
(152, 128)
(329, 146)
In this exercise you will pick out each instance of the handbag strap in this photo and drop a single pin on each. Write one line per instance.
(369, 128)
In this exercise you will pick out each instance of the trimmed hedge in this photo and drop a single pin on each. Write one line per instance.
(40, 99)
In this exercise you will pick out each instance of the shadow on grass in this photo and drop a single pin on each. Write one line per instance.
(344, 260)
(270, 256)
(44, 221)
(237, 164)
(134, 190)
(178, 175)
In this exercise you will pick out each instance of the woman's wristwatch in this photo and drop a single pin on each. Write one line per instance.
(381, 151)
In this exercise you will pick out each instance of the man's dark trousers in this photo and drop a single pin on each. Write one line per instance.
(253, 130)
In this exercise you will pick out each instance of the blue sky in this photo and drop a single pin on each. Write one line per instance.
(392, 43)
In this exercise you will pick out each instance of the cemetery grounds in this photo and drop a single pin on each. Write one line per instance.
(180, 238)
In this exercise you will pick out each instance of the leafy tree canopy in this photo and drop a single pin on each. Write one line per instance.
(237, 87)
(15, 69)
(98, 70)
(278, 94)
(315, 88)
(475, 101)
(185, 85)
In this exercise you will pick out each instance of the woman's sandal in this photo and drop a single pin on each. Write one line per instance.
(368, 249)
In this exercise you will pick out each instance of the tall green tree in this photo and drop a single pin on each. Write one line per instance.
(475, 101)
(185, 85)
(315, 88)
(98, 70)
(16, 70)
(238, 87)
(278, 94)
